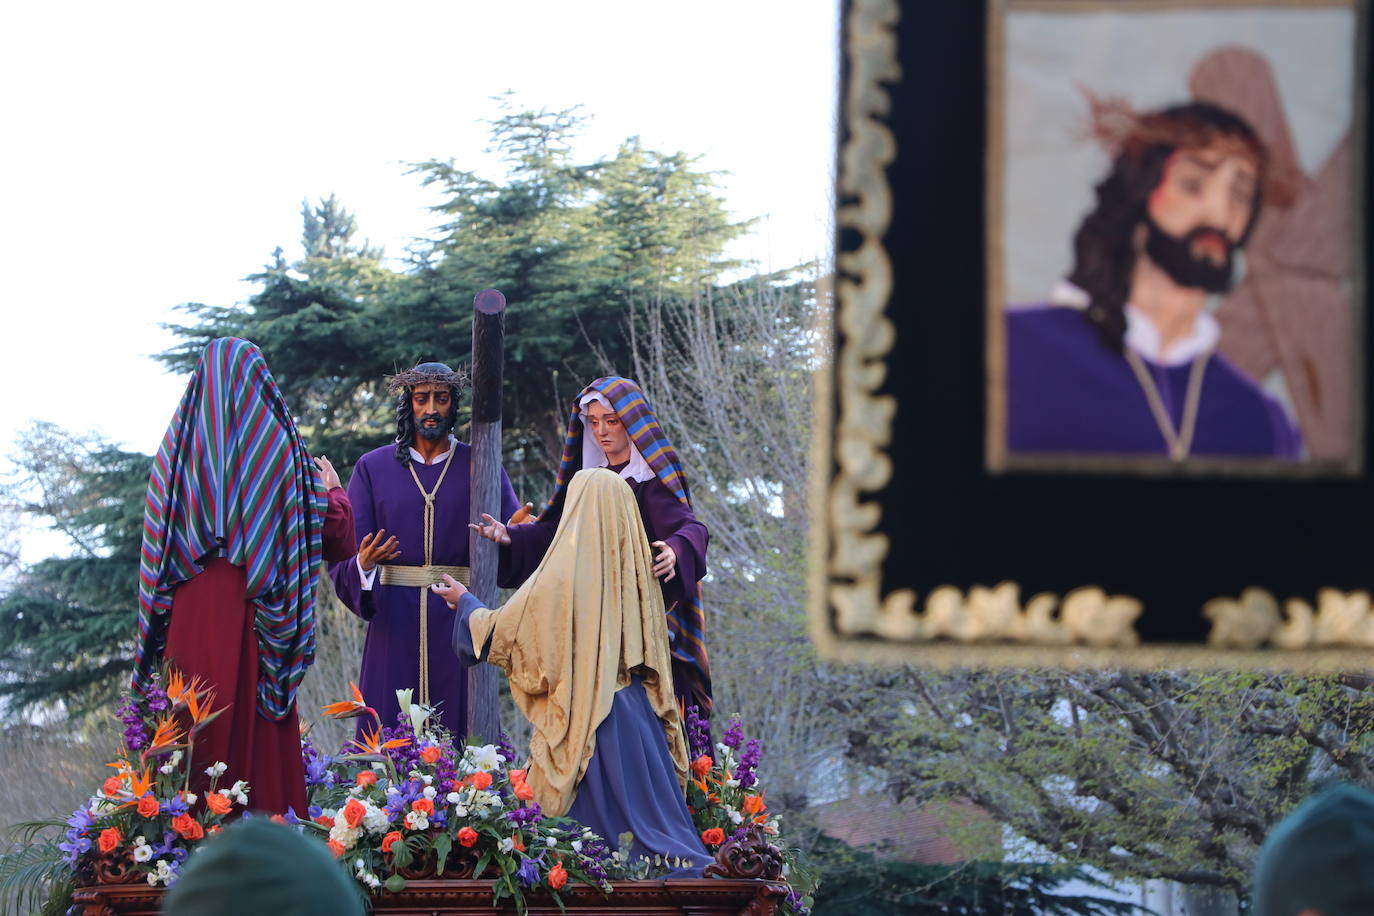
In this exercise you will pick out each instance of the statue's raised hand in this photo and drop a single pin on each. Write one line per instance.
(491, 529)
(373, 550)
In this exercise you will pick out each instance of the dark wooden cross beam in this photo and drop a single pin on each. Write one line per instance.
(488, 361)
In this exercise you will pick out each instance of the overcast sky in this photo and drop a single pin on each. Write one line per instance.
(156, 153)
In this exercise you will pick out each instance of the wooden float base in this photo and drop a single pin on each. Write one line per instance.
(684, 897)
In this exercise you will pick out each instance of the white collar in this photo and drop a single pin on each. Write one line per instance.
(1141, 334)
(416, 456)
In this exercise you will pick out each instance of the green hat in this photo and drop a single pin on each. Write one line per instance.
(257, 866)
(1320, 857)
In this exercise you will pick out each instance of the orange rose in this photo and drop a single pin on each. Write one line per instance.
(423, 805)
(188, 827)
(524, 792)
(111, 786)
(516, 842)
(218, 804)
(467, 837)
(431, 754)
(353, 812)
(367, 778)
(481, 780)
(336, 847)
(713, 837)
(516, 777)
(324, 820)
(148, 806)
(109, 839)
(277, 819)
(558, 876)
(390, 840)
(753, 804)
(702, 765)
(215, 829)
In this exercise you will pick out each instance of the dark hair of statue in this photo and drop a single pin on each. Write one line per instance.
(1105, 244)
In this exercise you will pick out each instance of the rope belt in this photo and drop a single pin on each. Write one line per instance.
(421, 576)
(421, 579)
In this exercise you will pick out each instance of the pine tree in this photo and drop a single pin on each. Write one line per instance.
(68, 624)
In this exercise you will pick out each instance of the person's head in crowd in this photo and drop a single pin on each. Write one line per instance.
(257, 866)
(1319, 860)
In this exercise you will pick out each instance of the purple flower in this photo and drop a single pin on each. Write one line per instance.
(317, 772)
(734, 734)
(135, 735)
(528, 873)
(749, 763)
(174, 806)
(505, 748)
(525, 816)
(81, 819)
(157, 698)
(168, 846)
(797, 904)
(698, 732)
(73, 846)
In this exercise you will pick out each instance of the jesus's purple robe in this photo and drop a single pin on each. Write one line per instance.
(1068, 393)
(665, 519)
(384, 496)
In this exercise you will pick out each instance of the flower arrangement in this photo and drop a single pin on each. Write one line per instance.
(408, 801)
(727, 803)
(395, 804)
(145, 819)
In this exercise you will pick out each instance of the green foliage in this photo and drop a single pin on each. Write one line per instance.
(1175, 775)
(67, 626)
(857, 883)
(571, 244)
(34, 875)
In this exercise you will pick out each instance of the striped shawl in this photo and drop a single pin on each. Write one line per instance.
(233, 478)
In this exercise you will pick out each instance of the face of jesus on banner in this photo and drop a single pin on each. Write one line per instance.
(603, 425)
(432, 406)
(1199, 214)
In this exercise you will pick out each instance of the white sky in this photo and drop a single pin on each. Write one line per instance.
(156, 153)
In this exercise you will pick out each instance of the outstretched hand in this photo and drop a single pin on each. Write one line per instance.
(492, 530)
(373, 550)
(665, 562)
(328, 476)
(451, 591)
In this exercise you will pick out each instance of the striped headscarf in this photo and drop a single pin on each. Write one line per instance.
(233, 478)
(687, 624)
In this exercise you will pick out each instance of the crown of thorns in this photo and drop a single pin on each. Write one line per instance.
(420, 375)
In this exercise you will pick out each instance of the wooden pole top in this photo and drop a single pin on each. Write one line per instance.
(489, 302)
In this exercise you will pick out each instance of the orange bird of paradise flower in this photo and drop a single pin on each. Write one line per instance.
(349, 709)
(372, 743)
(140, 785)
(166, 737)
(199, 706)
